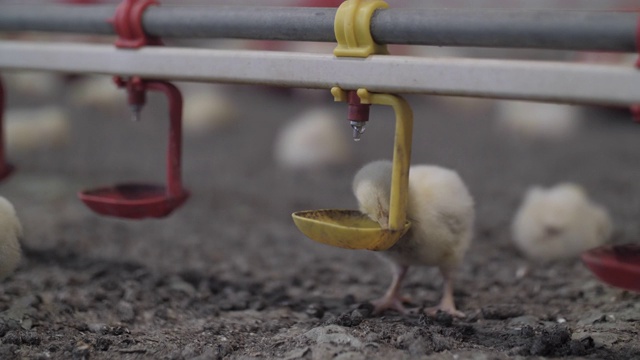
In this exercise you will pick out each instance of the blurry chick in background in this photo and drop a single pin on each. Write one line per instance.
(30, 129)
(313, 139)
(10, 233)
(537, 121)
(441, 211)
(558, 223)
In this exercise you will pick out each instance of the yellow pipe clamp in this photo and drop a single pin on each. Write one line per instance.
(352, 27)
(351, 229)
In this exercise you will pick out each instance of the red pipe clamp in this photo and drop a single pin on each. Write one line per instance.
(127, 22)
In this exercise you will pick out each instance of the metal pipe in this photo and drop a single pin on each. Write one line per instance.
(260, 23)
(65, 19)
(563, 30)
(543, 29)
(527, 80)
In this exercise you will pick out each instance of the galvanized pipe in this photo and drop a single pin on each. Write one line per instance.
(65, 19)
(544, 29)
(260, 23)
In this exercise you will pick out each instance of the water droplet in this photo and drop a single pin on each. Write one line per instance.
(135, 113)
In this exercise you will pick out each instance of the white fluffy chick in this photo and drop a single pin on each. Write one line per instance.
(314, 139)
(466, 105)
(29, 129)
(535, 120)
(33, 84)
(206, 111)
(10, 234)
(558, 223)
(442, 214)
(98, 92)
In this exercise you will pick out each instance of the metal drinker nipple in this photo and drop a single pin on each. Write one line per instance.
(357, 114)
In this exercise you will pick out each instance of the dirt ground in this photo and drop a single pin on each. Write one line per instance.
(229, 276)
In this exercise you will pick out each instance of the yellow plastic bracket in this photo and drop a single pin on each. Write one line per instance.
(351, 229)
(401, 153)
(352, 27)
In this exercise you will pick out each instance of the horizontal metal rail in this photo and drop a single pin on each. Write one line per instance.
(529, 80)
(544, 29)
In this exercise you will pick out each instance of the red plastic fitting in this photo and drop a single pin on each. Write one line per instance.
(127, 22)
(136, 89)
(175, 191)
(357, 111)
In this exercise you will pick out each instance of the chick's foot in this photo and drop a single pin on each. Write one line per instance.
(390, 302)
(432, 311)
(447, 303)
(392, 298)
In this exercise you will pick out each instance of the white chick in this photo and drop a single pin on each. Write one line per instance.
(33, 84)
(442, 214)
(558, 223)
(98, 92)
(28, 129)
(466, 105)
(314, 139)
(206, 111)
(10, 234)
(534, 120)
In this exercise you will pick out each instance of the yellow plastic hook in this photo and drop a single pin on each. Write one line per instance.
(351, 229)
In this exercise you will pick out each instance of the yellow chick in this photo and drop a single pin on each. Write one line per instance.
(10, 233)
(558, 223)
(442, 214)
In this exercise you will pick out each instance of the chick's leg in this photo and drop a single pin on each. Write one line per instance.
(392, 298)
(447, 303)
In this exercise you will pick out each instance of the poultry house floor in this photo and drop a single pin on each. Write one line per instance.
(229, 276)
